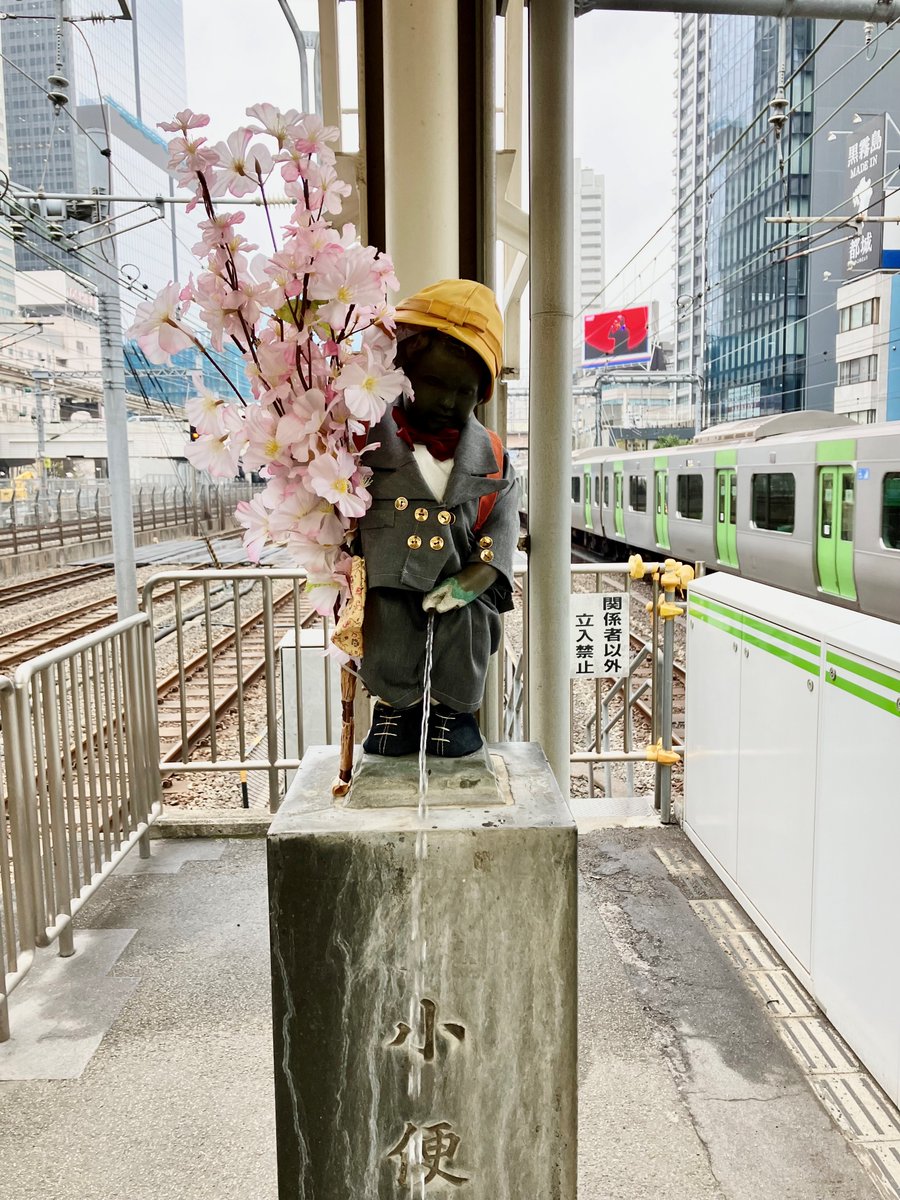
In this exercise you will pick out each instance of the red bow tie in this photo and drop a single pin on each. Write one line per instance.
(441, 445)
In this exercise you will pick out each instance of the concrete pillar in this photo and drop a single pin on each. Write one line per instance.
(551, 31)
(450, 1070)
(421, 144)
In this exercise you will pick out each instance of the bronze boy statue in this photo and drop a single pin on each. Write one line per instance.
(442, 528)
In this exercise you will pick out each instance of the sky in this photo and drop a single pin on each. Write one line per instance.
(624, 124)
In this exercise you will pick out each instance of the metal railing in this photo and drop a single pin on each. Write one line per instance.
(61, 515)
(614, 702)
(228, 639)
(82, 789)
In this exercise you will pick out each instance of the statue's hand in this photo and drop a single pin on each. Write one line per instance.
(460, 590)
(448, 595)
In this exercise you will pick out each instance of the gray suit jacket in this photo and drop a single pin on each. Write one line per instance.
(411, 545)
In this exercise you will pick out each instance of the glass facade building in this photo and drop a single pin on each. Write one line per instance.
(125, 76)
(755, 300)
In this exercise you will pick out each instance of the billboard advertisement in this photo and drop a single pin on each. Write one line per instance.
(620, 338)
(864, 181)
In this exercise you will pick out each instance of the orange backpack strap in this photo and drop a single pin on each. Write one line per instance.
(486, 503)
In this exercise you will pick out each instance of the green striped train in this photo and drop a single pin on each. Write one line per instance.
(809, 502)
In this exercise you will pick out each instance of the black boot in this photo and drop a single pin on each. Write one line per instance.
(452, 734)
(394, 731)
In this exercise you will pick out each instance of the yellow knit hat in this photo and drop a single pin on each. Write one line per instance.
(464, 310)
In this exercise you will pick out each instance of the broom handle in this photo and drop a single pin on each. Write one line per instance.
(348, 693)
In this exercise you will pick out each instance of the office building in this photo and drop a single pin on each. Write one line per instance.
(758, 311)
(691, 105)
(590, 238)
(124, 77)
(867, 348)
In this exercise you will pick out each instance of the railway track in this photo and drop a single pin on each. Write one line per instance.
(45, 585)
(29, 641)
(194, 697)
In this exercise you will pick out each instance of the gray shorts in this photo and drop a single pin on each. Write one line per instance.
(394, 632)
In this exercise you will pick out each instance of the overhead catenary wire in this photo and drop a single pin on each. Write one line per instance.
(735, 144)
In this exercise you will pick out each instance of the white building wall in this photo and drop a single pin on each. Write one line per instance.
(864, 401)
(691, 111)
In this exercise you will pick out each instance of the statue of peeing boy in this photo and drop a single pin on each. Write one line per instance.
(442, 529)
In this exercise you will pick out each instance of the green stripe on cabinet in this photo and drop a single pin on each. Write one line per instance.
(870, 673)
(708, 620)
(792, 639)
(743, 636)
(803, 663)
(861, 693)
(840, 450)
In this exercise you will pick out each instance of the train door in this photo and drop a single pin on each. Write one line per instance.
(619, 497)
(726, 516)
(661, 492)
(834, 538)
(588, 522)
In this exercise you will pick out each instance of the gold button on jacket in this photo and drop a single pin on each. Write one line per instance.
(437, 543)
(487, 556)
(446, 518)
(421, 514)
(414, 541)
(400, 503)
(486, 542)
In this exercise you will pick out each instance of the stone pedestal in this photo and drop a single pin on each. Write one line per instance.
(448, 1072)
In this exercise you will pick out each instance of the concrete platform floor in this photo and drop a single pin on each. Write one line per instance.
(160, 1030)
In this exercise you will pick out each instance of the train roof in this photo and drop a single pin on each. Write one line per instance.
(780, 425)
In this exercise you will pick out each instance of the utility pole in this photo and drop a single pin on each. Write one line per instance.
(39, 375)
(114, 412)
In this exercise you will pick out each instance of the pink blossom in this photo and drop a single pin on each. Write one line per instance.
(249, 297)
(156, 326)
(217, 455)
(369, 387)
(304, 419)
(349, 279)
(315, 559)
(206, 412)
(218, 231)
(291, 502)
(313, 136)
(184, 120)
(327, 189)
(279, 125)
(256, 519)
(332, 476)
(242, 164)
(325, 591)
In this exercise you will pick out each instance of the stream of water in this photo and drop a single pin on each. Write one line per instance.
(418, 941)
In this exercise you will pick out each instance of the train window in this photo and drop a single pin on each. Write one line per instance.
(597, 491)
(690, 497)
(890, 510)
(606, 491)
(637, 493)
(576, 489)
(827, 505)
(773, 502)
(847, 497)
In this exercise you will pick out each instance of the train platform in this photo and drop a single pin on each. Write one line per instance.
(142, 1067)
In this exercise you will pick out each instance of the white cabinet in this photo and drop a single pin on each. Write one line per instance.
(712, 713)
(856, 948)
(777, 791)
(791, 791)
